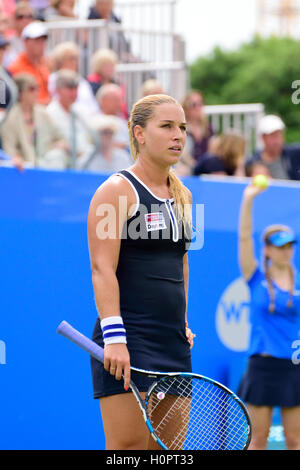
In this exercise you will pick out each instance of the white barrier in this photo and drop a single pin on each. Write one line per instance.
(131, 45)
(172, 76)
(151, 15)
(243, 117)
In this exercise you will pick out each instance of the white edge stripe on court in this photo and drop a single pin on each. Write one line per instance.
(135, 192)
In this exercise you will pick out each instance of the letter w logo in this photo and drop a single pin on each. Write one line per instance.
(233, 312)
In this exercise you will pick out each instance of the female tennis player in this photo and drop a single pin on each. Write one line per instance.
(271, 379)
(138, 230)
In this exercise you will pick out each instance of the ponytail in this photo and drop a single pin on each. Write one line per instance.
(270, 285)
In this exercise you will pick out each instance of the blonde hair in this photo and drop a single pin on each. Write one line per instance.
(60, 51)
(151, 87)
(106, 89)
(266, 235)
(141, 112)
(23, 81)
(103, 56)
(21, 6)
(229, 147)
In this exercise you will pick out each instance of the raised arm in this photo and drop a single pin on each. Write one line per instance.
(247, 260)
(105, 221)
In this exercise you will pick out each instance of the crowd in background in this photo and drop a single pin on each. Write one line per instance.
(54, 118)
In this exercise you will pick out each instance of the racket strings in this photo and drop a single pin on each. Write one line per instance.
(190, 413)
(233, 416)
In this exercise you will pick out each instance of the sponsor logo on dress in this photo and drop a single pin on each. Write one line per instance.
(155, 221)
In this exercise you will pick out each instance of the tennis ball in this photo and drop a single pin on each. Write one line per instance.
(261, 181)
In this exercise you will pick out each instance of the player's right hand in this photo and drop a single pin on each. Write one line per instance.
(117, 362)
(251, 191)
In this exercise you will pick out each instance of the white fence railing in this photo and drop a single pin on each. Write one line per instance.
(151, 15)
(130, 45)
(243, 117)
(171, 76)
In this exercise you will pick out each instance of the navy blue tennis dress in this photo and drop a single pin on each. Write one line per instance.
(152, 293)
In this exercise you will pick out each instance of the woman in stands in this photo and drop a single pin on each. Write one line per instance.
(199, 130)
(227, 158)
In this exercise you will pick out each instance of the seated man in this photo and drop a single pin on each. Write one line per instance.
(282, 161)
(110, 99)
(106, 158)
(103, 10)
(69, 117)
(33, 60)
(23, 15)
(66, 56)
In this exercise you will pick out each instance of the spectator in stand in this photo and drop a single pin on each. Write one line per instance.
(33, 60)
(71, 123)
(28, 134)
(282, 161)
(106, 158)
(39, 7)
(5, 25)
(23, 15)
(65, 56)
(7, 7)
(103, 70)
(10, 88)
(229, 157)
(151, 87)
(103, 10)
(110, 101)
(199, 130)
(60, 10)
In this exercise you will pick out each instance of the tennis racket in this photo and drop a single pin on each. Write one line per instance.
(183, 411)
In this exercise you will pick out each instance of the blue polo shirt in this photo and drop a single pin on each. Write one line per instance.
(273, 333)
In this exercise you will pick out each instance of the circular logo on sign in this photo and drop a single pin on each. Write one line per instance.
(232, 316)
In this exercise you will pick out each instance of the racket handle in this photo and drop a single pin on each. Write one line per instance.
(85, 343)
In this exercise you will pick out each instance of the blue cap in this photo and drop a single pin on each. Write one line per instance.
(281, 238)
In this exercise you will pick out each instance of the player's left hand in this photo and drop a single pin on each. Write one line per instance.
(190, 336)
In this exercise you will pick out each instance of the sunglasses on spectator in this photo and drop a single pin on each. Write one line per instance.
(33, 88)
(196, 104)
(71, 86)
(24, 17)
